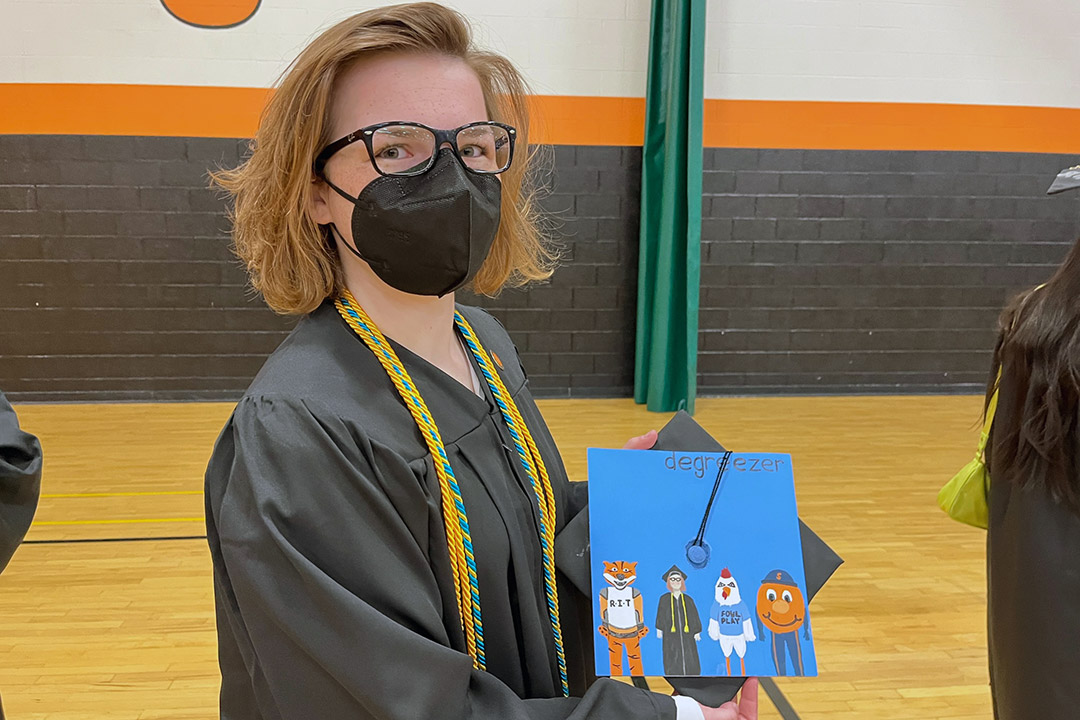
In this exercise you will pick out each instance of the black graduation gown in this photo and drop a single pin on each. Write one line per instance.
(680, 648)
(1033, 586)
(20, 481)
(332, 578)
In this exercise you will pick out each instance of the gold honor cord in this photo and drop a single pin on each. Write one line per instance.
(686, 618)
(534, 466)
(455, 518)
(456, 522)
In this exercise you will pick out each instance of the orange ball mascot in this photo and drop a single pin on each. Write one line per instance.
(782, 609)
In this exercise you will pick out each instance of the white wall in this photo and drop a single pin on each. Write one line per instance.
(1002, 52)
(566, 47)
(993, 52)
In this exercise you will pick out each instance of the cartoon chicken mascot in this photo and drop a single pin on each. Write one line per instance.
(730, 622)
(781, 608)
(622, 616)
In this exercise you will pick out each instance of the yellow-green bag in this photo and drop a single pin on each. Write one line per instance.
(964, 497)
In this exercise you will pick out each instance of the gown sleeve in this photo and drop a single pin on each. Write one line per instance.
(695, 618)
(663, 613)
(323, 581)
(20, 481)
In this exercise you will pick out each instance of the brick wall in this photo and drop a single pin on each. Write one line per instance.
(576, 332)
(116, 281)
(822, 271)
(869, 271)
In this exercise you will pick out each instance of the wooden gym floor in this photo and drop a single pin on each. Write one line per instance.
(103, 617)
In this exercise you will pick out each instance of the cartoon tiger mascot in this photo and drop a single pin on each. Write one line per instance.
(622, 616)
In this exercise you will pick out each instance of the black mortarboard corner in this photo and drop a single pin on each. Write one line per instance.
(682, 433)
(1067, 179)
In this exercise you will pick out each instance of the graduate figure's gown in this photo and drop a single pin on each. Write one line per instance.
(335, 598)
(680, 648)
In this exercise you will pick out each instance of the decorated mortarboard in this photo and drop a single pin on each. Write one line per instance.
(573, 558)
(683, 433)
(1067, 179)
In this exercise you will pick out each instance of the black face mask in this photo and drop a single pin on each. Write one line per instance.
(426, 234)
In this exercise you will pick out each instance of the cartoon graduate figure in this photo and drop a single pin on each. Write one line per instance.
(679, 626)
(730, 622)
(782, 610)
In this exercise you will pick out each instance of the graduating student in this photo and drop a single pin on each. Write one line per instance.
(20, 481)
(383, 505)
(1033, 539)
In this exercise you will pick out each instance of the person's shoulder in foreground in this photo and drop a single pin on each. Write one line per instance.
(20, 481)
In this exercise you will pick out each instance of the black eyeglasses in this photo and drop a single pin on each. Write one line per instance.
(408, 148)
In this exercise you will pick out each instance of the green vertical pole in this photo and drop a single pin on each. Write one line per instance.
(669, 264)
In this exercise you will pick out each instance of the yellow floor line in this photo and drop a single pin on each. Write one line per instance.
(122, 494)
(113, 522)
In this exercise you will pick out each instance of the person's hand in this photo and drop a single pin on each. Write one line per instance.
(745, 709)
(697, 637)
(660, 634)
(641, 442)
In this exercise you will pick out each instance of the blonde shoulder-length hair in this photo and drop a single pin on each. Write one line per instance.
(289, 258)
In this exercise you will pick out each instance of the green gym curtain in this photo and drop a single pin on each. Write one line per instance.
(669, 264)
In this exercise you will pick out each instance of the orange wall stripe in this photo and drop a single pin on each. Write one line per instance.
(153, 110)
(578, 120)
(890, 126)
(165, 110)
(198, 111)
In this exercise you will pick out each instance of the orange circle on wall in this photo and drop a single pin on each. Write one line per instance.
(212, 13)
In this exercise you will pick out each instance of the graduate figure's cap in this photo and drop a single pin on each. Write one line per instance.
(779, 577)
(1067, 179)
(674, 570)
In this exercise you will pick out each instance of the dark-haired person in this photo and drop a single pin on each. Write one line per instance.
(20, 481)
(1033, 543)
(383, 504)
